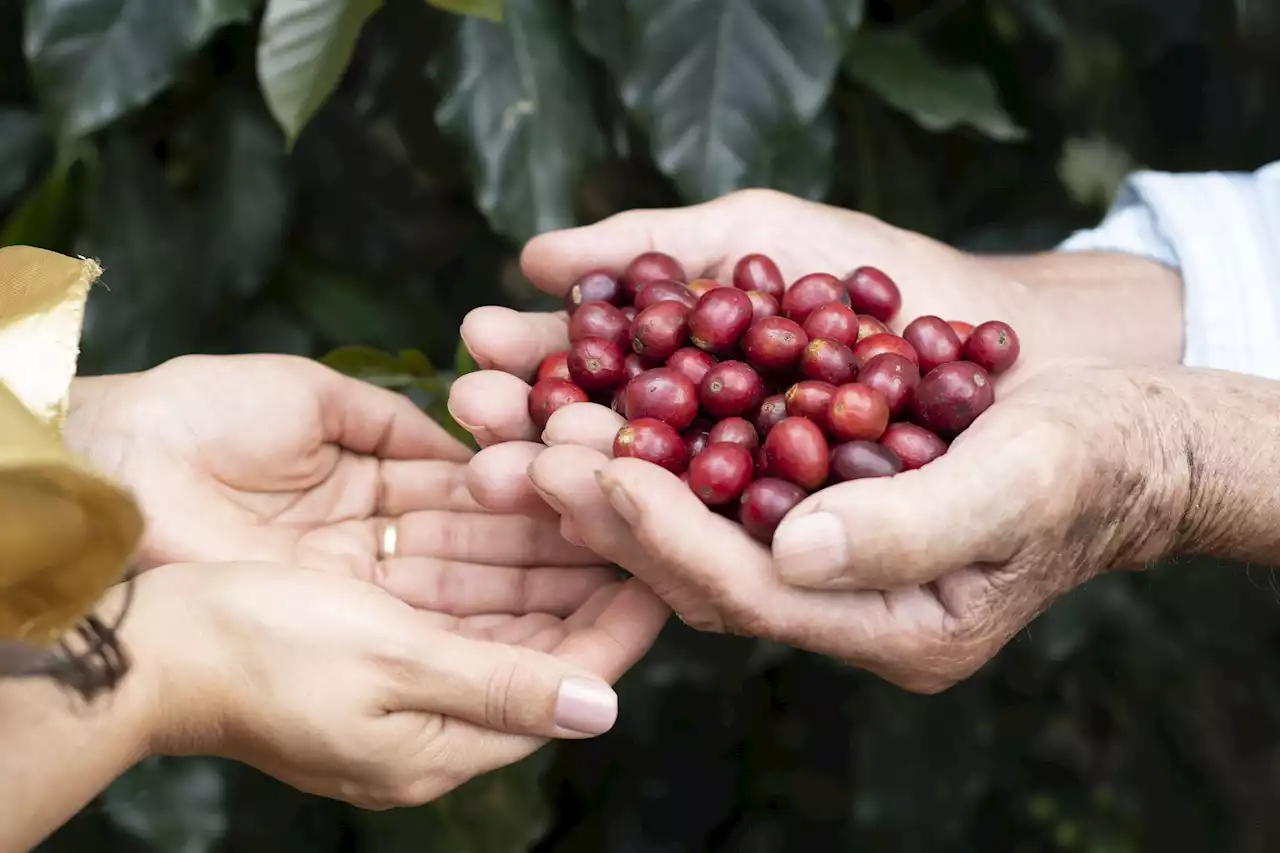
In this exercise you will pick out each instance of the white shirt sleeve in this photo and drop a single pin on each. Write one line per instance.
(1221, 231)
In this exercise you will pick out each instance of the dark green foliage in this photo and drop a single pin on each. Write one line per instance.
(368, 204)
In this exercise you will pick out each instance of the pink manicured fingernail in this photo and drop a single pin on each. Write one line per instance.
(586, 706)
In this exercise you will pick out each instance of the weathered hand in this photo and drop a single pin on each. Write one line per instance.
(920, 578)
(279, 458)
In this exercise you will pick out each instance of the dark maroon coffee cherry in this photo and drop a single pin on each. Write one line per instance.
(731, 388)
(764, 504)
(914, 445)
(825, 360)
(796, 450)
(872, 292)
(692, 362)
(934, 340)
(721, 473)
(659, 330)
(810, 399)
(894, 377)
(596, 364)
(834, 321)
(665, 291)
(719, 319)
(762, 305)
(993, 346)
(735, 431)
(653, 441)
(633, 365)
(760, 274)
(810, 293)
(858, 460)
(774, 344)
(697, 436)
(646, 269)
(771, 412)
(662, 394)
(548, 396)
(600, 320)
(595, 286)
(951, 397)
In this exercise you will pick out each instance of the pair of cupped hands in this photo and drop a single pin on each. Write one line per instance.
(500, 621)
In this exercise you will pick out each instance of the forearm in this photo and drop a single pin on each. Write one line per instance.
(58, 751)
(1231, 442)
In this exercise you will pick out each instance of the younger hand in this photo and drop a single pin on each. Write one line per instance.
(334, 687)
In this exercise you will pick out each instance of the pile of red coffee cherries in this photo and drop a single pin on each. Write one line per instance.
(758, 394)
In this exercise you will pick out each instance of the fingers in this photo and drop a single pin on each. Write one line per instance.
(498, 478)
(493, 406)
(466, 589)
(408, 485)
(367, 419)
(584, 424)
(495, 540)
(694, 235)
(976, 504)
(505, 688)
(620, 634)
(513, 341)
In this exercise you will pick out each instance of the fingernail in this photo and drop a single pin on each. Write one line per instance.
(547, 497)
(481, 434)
(569, 531)
(586, 706)
(810, 549)
(618, 497)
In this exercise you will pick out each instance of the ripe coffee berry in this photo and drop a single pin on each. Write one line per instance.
(868, 326)
(762, 305)
(894, 377)
(914, 445)
(646, 269)
(662, 394)
(962, 329)
(935, 342)
(796, 450)
(595, 364)
(550, 395)
(771, 413)
(699, 286)
(554, 366)
(774, 344)
(951, 397)
(719, 319)
(764, 504)
(595, 286)
(697, 436)
(653, 441)
(857, 460)
(659, 330)
(600, 320)
(868, 348)
(664, 291)
(810, 399)
(692, 362)
(834, 321)
(857, 413)
(809, 293)
(731, 388)
(759, 273)
(735, 431)
(721, 473)
(825, 360)
(993, 346)
(633, 365)
(872, 292)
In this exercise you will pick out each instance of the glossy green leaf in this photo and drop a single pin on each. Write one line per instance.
(896, 66)
(728, 90)
(303, 51)
(373, 365)
(22, 144)
(516, 97)
(94, 61)
(491, 9)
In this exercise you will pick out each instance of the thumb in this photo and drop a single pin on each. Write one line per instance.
(694, 236)
(978, 503)
(506, 688)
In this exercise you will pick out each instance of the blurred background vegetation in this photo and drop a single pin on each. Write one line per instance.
(302, 175)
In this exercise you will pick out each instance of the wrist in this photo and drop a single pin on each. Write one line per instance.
(1097, 307)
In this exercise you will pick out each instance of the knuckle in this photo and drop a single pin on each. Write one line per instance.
(499, 691)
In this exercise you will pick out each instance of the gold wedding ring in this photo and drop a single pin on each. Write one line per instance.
(390, 539)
